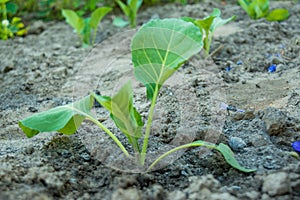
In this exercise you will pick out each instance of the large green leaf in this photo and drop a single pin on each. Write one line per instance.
(74, 20)
(124, 114)
(98, 15)
(65, 119)
(160, 47)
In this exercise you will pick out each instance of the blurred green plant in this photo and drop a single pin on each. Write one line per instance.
(257, 9)
(208, 25)
(10, 28)
(130, 10)
(85, 26)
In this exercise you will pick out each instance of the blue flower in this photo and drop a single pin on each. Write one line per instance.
(296, 146)
(228, 68)
(272, 68)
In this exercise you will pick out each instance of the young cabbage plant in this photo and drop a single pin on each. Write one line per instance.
(257, 9)
(130, 10)
(208, 25)
(84, 26)
(158, 49)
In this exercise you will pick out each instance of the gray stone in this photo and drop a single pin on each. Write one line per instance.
(128, 194)
(176, 195)
(236, 143)
(156, 192)
(222, 196)
(198, 183)
(275, 121)
(37, 27)
(253, 195)
(260, 139)
(60, 72)
(276, 184)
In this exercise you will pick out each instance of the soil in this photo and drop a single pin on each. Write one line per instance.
(48, 68)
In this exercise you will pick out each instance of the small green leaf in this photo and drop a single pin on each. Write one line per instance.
(86, 32)
(218, 21)
(245, 5)
(160, 47)
(125, 116)
(98, 15)
(229, 157)
(278, 15)
(119, 22)
(65, 119)
(124, 8)
(134, 4)
(74, 20)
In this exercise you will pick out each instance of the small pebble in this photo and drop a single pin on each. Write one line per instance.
(85, 156)
(32, 109)
(239, 62)
(236, 143)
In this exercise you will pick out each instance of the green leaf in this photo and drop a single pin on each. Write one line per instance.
(119, 22)
(261, 8)
(229, 157)
(4, 1)
(98, 15)
(160, 47)
(124, 8)
(65, 119)
(245, 5)
(278, 15)
(11, 8)
(134, 4)
(125, 116)
(222, 148)
(218, 21)
(86, 32)
(256, 8)
(74, 20)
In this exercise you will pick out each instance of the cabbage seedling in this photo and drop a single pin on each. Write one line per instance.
(84, 26)
(158, 49)
(130, 10)
(257, 9)
(208, 25)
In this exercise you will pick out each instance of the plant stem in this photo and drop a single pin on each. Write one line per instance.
(148, 126)
(115, 139)
(193, 144)
(94, 37)
(4, 11)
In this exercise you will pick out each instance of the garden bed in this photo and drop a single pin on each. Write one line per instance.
(49, 67)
